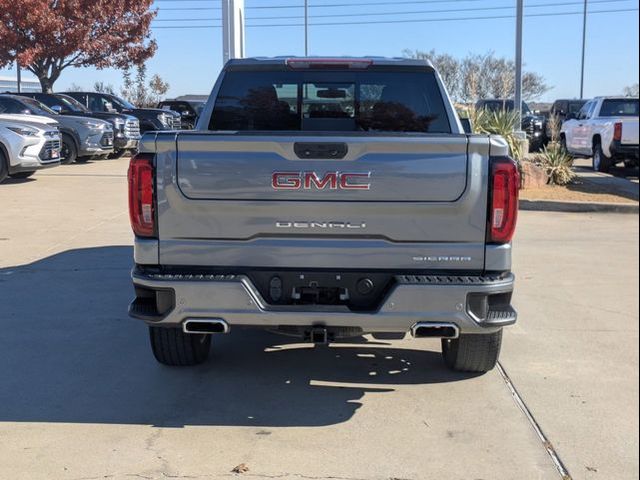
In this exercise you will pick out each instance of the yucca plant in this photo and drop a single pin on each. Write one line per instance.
(557, 163)
(500, 122)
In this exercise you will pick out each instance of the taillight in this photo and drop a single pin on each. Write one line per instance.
(617, 131)
(141, 195)
(503, 214)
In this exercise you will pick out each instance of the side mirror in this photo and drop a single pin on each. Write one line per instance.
(57, 109)
(108, 107)
(466, 125)
(185, 113)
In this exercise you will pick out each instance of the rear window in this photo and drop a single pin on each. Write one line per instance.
(348, 101)
(619, 108)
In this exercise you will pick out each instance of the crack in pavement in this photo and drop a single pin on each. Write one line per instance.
(546, 443)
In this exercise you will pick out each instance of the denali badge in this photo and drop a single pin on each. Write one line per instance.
(321, 225)
(311, 180)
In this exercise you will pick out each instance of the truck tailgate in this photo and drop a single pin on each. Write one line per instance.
(415, 202)
(630, 131)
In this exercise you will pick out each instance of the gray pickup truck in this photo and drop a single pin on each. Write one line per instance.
(325, 198)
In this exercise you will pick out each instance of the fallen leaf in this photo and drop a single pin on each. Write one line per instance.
(242, 468)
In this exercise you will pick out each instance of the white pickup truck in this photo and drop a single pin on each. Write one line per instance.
(605, 129)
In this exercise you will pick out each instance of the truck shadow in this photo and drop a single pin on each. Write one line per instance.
(69, 353)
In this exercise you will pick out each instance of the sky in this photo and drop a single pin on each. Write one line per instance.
(190, 58)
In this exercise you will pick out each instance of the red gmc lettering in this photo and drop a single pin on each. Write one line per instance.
(330, 178)
(286, 180)
(346, 181)
(311, 180)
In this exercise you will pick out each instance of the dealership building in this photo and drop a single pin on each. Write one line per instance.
(9, 84)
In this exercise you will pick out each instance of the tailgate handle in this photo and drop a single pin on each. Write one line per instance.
(321, 150)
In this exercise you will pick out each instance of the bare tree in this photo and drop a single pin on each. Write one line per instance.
(104, 88)
(631, 90)
(140, 92)
(74, 87)
(479, 76)
(158, 88)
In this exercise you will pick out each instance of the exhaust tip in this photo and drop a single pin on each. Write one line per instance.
(204, 325)
(435, 330)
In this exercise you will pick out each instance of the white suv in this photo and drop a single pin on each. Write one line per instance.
(26, 147)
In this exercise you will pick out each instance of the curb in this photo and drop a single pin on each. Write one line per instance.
(578, 207)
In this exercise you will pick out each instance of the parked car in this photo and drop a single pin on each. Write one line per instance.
(190, 110)
(26, 147)
(82, 138)
(325, 198)
(151, 119)
(605, 129)
(126, 128)
(532, 124)
(561, 109)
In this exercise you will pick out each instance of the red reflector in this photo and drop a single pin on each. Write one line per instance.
(300, 63)
(141, 198)
(617, 131)
(505, 184)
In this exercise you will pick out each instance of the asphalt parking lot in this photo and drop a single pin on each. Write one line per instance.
(82, 398)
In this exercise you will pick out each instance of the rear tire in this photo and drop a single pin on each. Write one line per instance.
(173, 347)
(472, 352)
(601, 163)
(4, 167)
(21, 175)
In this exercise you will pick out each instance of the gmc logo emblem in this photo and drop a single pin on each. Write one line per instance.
(311, 181)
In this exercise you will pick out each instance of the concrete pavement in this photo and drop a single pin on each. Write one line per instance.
(82, 397)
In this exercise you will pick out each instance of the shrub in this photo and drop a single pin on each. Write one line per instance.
(500, 122)
(557, 163)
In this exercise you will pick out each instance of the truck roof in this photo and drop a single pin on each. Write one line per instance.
(374, 60)
(614, 97)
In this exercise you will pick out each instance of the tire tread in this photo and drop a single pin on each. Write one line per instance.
(473, 352)
(171, 346)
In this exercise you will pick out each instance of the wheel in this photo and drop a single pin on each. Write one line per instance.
(601, 163)
(82, 159)
(472, 352)
(171, 346)
(115, 154)
(68, 152)
(20, 175)
(563, 144)
(4, 167)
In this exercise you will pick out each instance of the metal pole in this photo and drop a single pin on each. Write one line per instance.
(226, 31)
(518, 87)
(306, 28)
(18, 76)
(584, 42)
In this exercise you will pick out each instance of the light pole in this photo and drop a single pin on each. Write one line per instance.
(232, 29)
(306, 28)
(584, 42)
(18, 76)
(518, 87)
